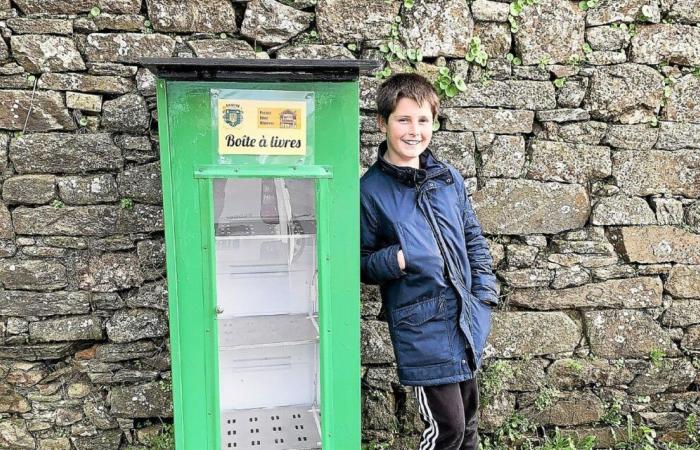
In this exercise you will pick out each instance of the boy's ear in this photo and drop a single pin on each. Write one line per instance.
(381, 123)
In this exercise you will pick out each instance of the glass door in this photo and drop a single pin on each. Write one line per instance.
(267, 313)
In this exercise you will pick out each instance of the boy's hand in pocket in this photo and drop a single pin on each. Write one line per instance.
(402, 261)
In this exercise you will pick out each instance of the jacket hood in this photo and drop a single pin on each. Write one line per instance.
(430, 167)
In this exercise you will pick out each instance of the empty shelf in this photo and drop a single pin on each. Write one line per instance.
(267, 330)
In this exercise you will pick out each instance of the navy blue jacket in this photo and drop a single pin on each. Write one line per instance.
(439, 307)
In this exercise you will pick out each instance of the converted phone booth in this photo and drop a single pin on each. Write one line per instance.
(260, 172)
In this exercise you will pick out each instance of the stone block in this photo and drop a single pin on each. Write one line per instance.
(551, 29)
(589, 132)
(141, 183)
(655, 244)
(454, 148)
(607, 38)
(84, 102)
(499, 121)
(39, 53)
(127, 113)
(106, 440)
(88, 189)
(572, 163)
(14, 434)
(622, 210)
(338, 22)
(524, 278)
(375, 343)
(269, 22)
(129, 325)
(530, 207)
(490, 11)
(533, 333)
(23, 303)
(682, 105)
(75, 328)
(626, 334)
(222, 48)
(86, 83)
(29, 189)
(496, 41)
(682, 313)
(566, 409)
(119, 22)
(684, 281)
(54, 6)
(668, 43)
(24, 25)
(640, 292)
(625, 93)
(670, 374)
(127, 47)
(120, 6)
(517, 94)
(32, 274)
(570, 373)
(48, 111)
(669, 211)
(678, 135)
(142, 401)
(192, 16)
(501, 156)
(622, 11)
(657, 172)
(632, 137)
(438, 29)
(64, 153)
(684, 11)
(111, 272)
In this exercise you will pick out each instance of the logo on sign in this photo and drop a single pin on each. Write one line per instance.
(233, 115)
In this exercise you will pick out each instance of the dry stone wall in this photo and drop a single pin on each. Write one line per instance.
(578, 138)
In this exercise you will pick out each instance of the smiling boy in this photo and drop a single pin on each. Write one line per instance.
(421, 243)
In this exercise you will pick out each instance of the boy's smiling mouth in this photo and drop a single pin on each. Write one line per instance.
(412, 142)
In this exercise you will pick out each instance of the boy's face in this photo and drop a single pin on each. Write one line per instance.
(408, 132)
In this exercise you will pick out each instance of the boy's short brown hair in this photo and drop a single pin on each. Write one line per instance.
(409, 85)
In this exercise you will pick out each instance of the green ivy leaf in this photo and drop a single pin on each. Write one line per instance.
(559, 82)
(515, 9)
(460, 84)
(451, 91)
(444, 71)
(583, 5)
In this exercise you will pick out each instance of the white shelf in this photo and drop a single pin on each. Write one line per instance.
(264, 236)
(260, 331)
(280, 428)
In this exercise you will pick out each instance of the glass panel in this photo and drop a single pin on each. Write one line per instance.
(267, 306)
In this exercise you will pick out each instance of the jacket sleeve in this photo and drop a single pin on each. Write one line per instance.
(483, 278)
(378, 265)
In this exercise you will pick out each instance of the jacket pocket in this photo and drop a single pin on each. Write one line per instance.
(420, 249)
(421, 335)
(481, 325)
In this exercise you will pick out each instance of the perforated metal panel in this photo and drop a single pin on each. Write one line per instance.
(285, 428)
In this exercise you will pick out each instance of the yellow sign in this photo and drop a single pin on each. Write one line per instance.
(262, 127)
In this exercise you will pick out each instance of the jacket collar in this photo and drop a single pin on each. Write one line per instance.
(430, 167)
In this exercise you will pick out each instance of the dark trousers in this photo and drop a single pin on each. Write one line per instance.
(450, 413)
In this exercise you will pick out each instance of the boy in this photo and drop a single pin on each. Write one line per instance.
(423, 245)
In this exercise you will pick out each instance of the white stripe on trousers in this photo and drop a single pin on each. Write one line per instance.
(429, 436)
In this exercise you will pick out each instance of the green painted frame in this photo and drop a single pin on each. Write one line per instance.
(187, 177)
